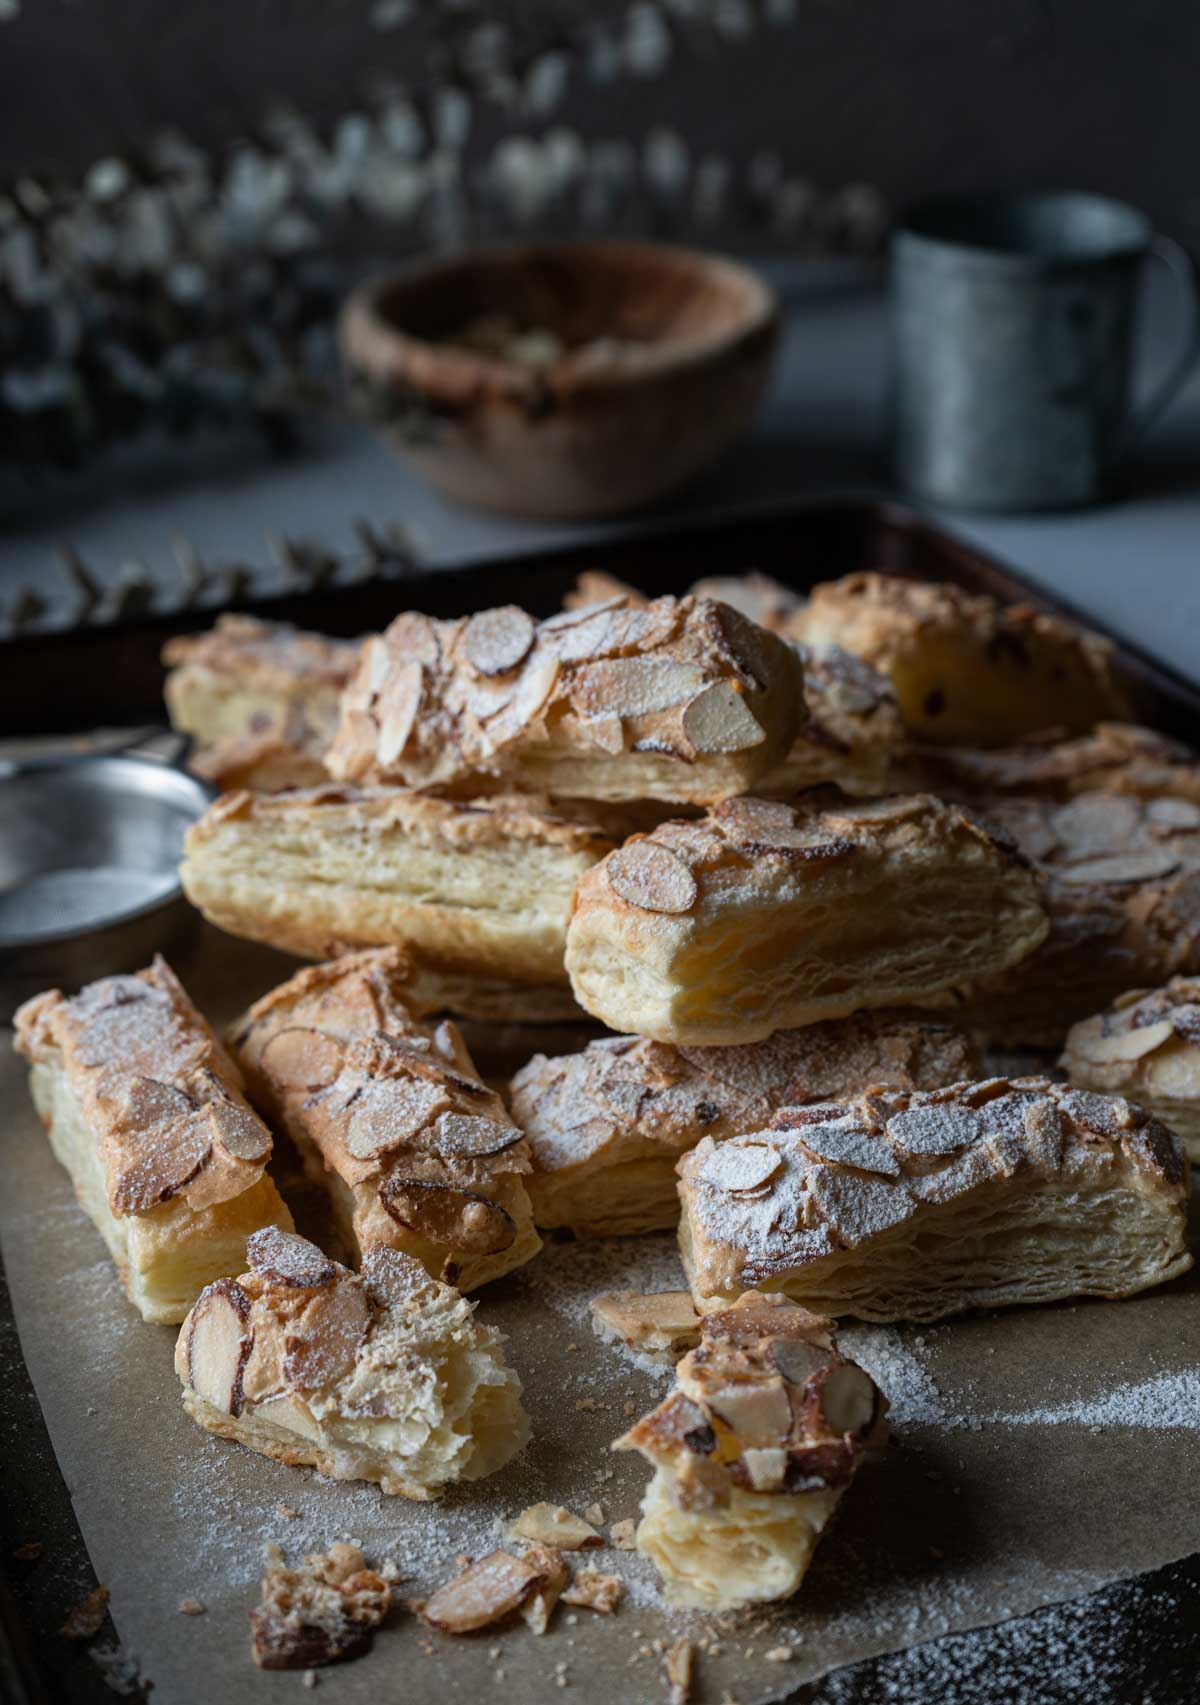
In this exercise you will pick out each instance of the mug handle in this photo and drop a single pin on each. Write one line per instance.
(1185, 270)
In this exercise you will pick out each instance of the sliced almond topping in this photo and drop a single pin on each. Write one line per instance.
(240, 1132)
(495, 641)
(1186, 1021)
(933, 1130)
(391, 1275)
(797, 1359)
(847, 1143)
(766, 1467)
(550, 1524)
(534, 686)
(1174, 813)
(175, 1152)
(1125, 1044)
(288, 1260)
(758, 1410)
(486, 1590)
(460, 1219)
(740, 1165)
(592, 1590)
(302, 1059)
(324, 1344)
(396, 708)
(218, 1344)
(388, 1113)
(718, 719)
(651, 877)
(1120, 869)
(150, 1102)
(463, 1135)
(846, 1398)
(635, 686)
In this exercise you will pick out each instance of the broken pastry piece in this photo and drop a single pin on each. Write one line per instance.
(321, 1613)
(260, 700)
(607, 1125)
(1120, 883)
(478, 891)
(965, 667)
(1146, 1046)
(679, 699)
(900, 1206)
(382, 1376)
(660, 1325)
(762, 916)
(145, 1110)
(765, 1429)
(392, 1119)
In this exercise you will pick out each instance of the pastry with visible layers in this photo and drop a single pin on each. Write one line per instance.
(751, 1452)
(260, 700)
(607, 1126)
(392, 1119)
(1116, 757)
(382, 1375)
(762, 916)
(678, 699)
(898, 1206)
(475, 891)
(965, 667)
(1146, 1046)
(145, 1110)
(1120, 882)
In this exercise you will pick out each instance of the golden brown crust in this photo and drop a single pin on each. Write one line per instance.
(1120, 879)
(781, 1209)
(625, 1101)
(678, 699)
(1146, 1046)
(964, 666)
(763, 916)
(430, 1161)
(158, 1093)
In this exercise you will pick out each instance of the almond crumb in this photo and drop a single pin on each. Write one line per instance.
(623, 1534)
(779, 1655)
(678, 1668)
(191, 1607)
(289, 1514)
(29, 1553)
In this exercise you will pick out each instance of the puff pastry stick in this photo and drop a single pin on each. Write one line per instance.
(763, 917)
(912, 1206)
(1116, 757)
(145, 1110)
(679, 699)
(392, 1119)
(965, 667)
(1120, 882)
(259, 698)
(606, 1126)
(752, 1451)
(482, 890)
(1146, 1046)
(382, 1376)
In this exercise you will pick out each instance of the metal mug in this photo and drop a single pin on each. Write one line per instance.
(1013, 321)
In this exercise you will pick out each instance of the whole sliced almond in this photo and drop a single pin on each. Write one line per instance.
(651, 877)
(239, 1132)
(218, 1344)
(635, 686)
(322, 1347)
(1120, 869)
(301, 1058)
(738, 1166)
(491, 1587)
(392, 1276)
(288, 1260)
(463, 1136)
(396, 707)
(388, 1114)
(460, 1219)
(718, 720)
(495, 641)
(1125, 1044)
(848, 1144)
(149, 1102)
(174, 1153)
(1174, 814)
(535, 685)
(933, 1130)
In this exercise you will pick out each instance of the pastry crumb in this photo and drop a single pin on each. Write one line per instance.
(87, 1618)
(779, 1655)
(623, 1534)
(191, 1607)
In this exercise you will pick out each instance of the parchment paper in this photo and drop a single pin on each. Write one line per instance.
(979, 1510)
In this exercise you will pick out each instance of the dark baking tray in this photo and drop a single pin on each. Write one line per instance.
(72, 680)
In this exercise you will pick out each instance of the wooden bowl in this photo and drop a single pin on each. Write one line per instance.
(653, 361)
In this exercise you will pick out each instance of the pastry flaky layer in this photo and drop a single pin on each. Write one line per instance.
(677, 699)
(392, 1119)
(260, 700)
(752, 1451)
(607, 1125)
(1119, 878)
(964, 666)
(1145, 1046)
(145, 1110)
(475, 890)
(382, 1375)
(763, 916)
(911, 1206)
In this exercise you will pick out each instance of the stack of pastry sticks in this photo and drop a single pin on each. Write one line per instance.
(802, 866)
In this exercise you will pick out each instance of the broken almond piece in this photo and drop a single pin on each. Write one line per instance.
(593, 1590)
(539, 1606)
(659, 1324)
(218, 1345)
(718, 719)
(550, 1524)
(321, 1613)
(486, 1590)
(678, 1667)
